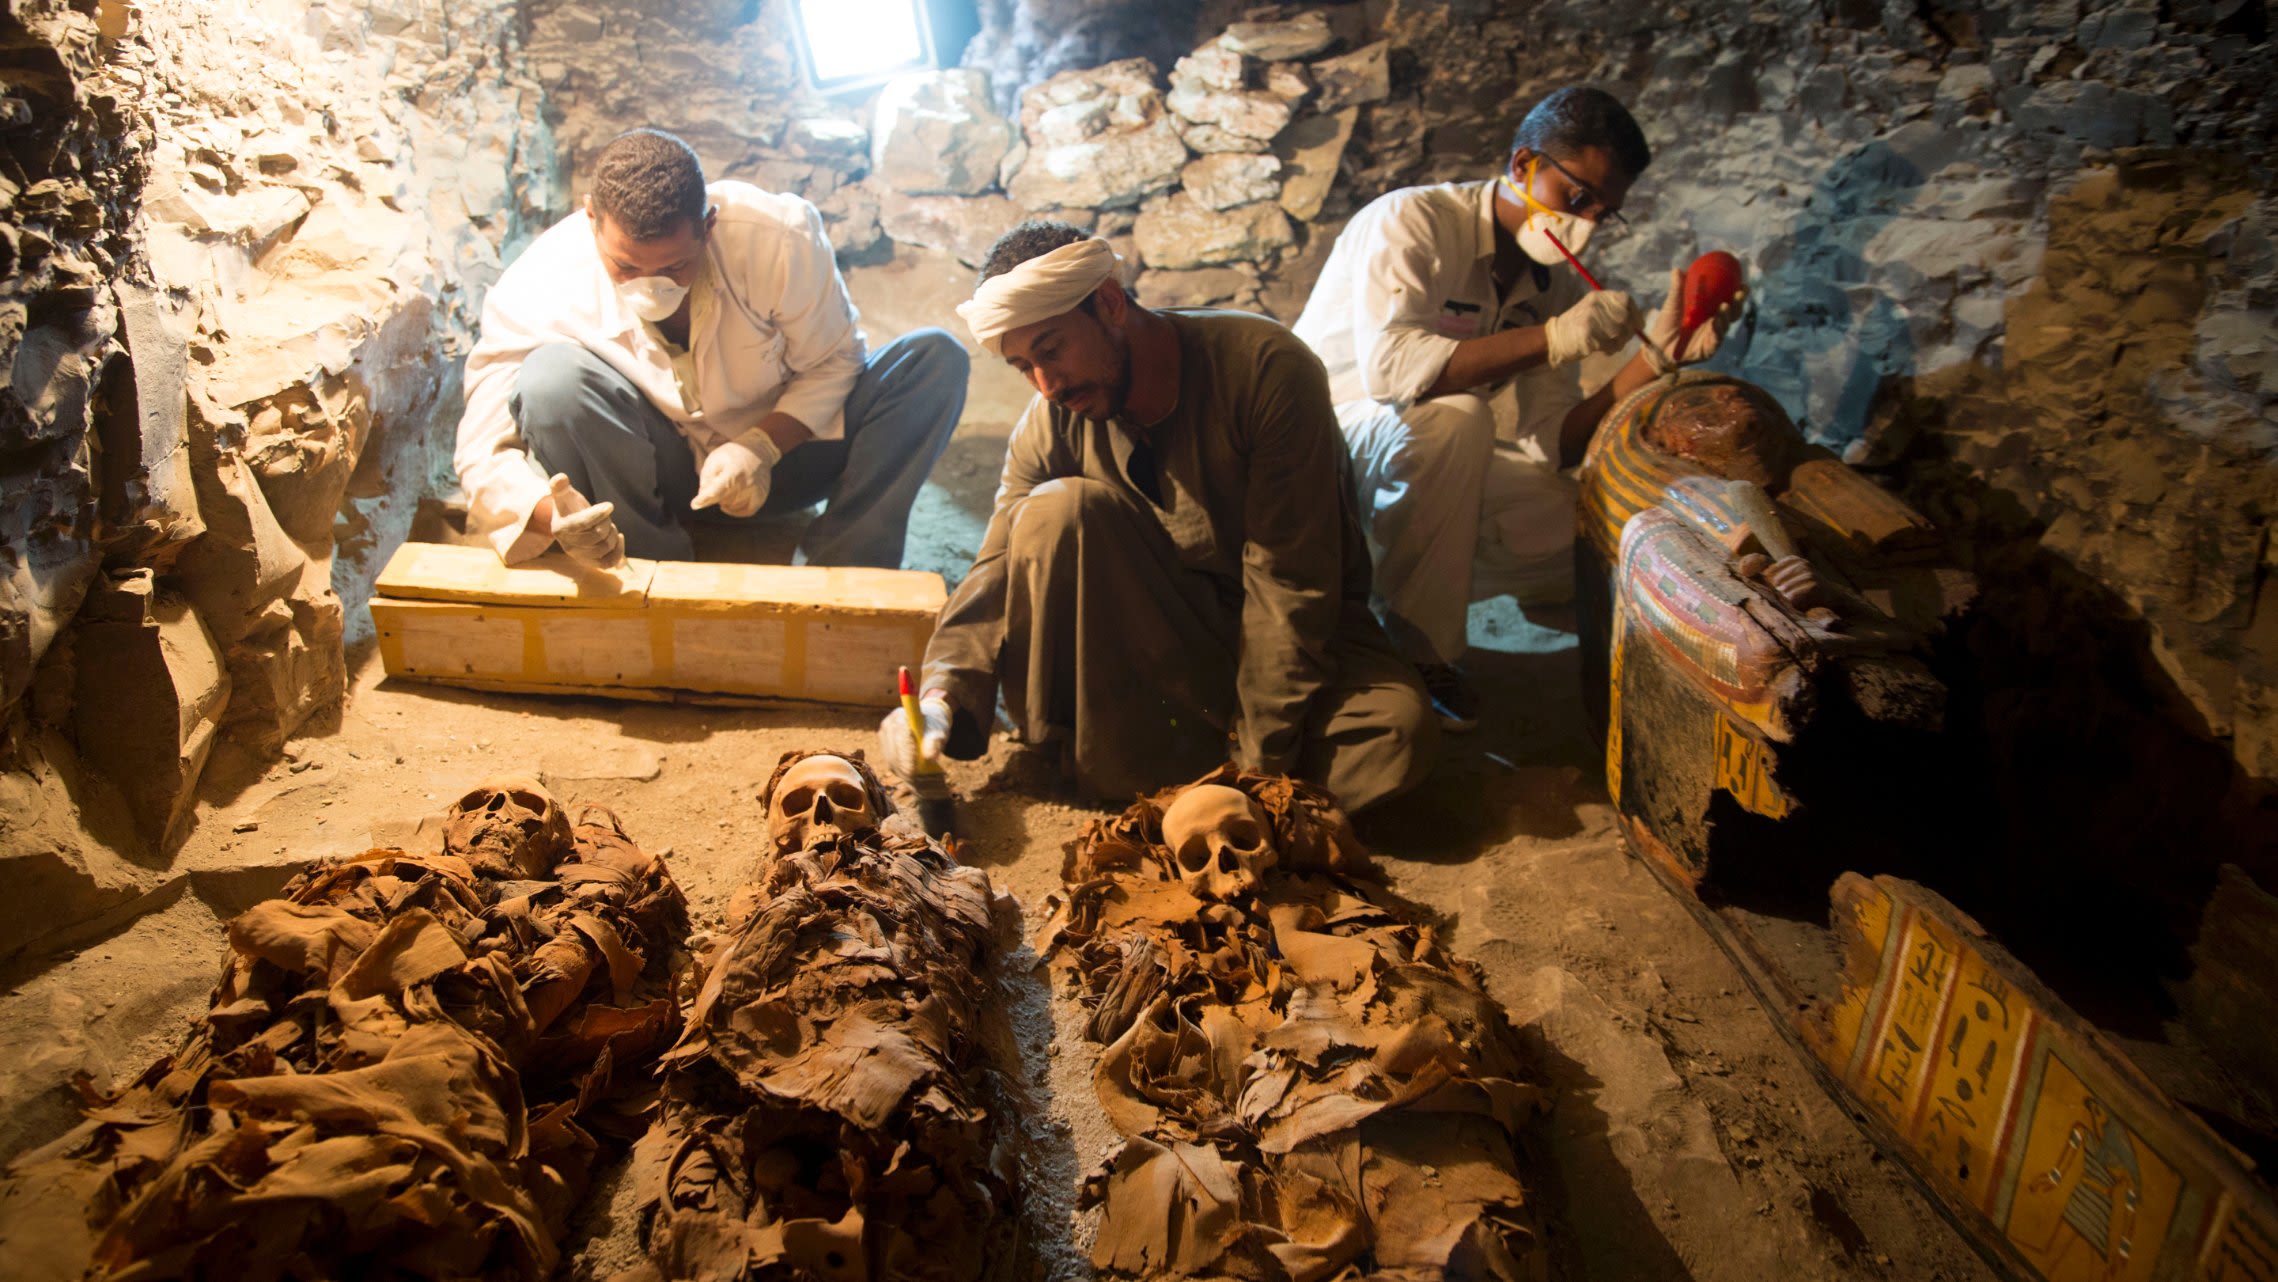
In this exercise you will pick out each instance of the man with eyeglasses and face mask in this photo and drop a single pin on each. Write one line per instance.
(678, 348)
(1435, 303)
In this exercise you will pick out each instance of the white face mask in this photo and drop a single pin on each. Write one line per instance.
(1542, 223)
(652, 298)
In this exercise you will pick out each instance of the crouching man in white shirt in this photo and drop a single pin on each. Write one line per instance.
(1436, 304)
(678, 350)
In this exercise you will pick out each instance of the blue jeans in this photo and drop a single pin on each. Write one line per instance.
(587, 421)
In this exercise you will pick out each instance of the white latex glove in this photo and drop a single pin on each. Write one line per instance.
(1601, 322)
(1665, 324)
(737, 476)
(586, 530)
(899, 751)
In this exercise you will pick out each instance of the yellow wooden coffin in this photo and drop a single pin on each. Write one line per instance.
(652, 629)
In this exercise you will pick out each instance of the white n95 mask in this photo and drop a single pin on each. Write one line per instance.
(652, 298)
(1543, 222)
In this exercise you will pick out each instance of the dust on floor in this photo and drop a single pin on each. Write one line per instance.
(1687, 1142)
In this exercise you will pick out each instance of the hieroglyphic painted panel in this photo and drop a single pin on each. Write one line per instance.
(1968, 1105)
(2018, 1115)
(1744, 768)
(2090, 1197)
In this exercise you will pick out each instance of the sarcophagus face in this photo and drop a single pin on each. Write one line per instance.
(1754, 615)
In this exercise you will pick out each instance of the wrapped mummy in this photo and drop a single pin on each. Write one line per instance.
(1304, 1080)
(397, 1076)
(825, 1114)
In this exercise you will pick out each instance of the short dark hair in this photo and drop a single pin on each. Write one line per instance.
(648, 183)
(1576, 117)
(1031, 239)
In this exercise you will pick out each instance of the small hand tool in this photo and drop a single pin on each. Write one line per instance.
(937, 808)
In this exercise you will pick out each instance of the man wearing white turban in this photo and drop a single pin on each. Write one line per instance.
(1174, 575)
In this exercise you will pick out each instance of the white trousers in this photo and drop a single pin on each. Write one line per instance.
(1454, 517)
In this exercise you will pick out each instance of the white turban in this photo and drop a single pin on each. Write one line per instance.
(1041, 288)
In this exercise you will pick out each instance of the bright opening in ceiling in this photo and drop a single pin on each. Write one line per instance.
(851, 43)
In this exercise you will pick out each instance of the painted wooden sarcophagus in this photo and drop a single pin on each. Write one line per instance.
(1754, 618)
(1759, 618)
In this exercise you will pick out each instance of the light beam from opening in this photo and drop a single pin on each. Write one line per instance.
(856, 42)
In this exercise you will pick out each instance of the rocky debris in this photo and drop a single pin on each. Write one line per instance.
(1253, 114)
(1302, 1078)
(1224, 181)
(1210, 88)
(1179, 231)
(826, 138)
(1299, 37)
(937, 134)
(1022, 42)
(151, 691)
(69, 843)
(1201, 287)
(1212, 67)
(1096, 139)
(76, 164)
(727, 81)
(481, 1034)
(826, 1113)
(149, 495)
(1288, 81)
(1210, 139)
(850, 218)
(1354, 79)
(962, 225)
(1311, 153)
(322, 199)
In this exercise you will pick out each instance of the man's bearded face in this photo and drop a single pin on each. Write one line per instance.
(1076, 360)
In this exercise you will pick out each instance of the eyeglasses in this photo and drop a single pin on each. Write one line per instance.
(1590, 199)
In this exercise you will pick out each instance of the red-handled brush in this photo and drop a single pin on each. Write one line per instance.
(1592, 282)
(937, 807)
(1713, 280)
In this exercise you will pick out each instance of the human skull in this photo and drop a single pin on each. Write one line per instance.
(508, 828)
(817, 799)
(1218, 840)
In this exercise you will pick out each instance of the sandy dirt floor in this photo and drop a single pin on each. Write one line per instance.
(1687, 1140)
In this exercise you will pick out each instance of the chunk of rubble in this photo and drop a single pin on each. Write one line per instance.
(1233, 178)
(935, 134)
(1354, 79)
(1096, 139)
(1310, 153)
(1299, 37)
(1182, 232)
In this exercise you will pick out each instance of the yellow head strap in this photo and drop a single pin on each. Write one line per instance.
(1525, 195)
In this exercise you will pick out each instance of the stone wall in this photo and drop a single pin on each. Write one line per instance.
(249, 245)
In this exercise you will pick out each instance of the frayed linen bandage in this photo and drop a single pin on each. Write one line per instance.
(1041, 288)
